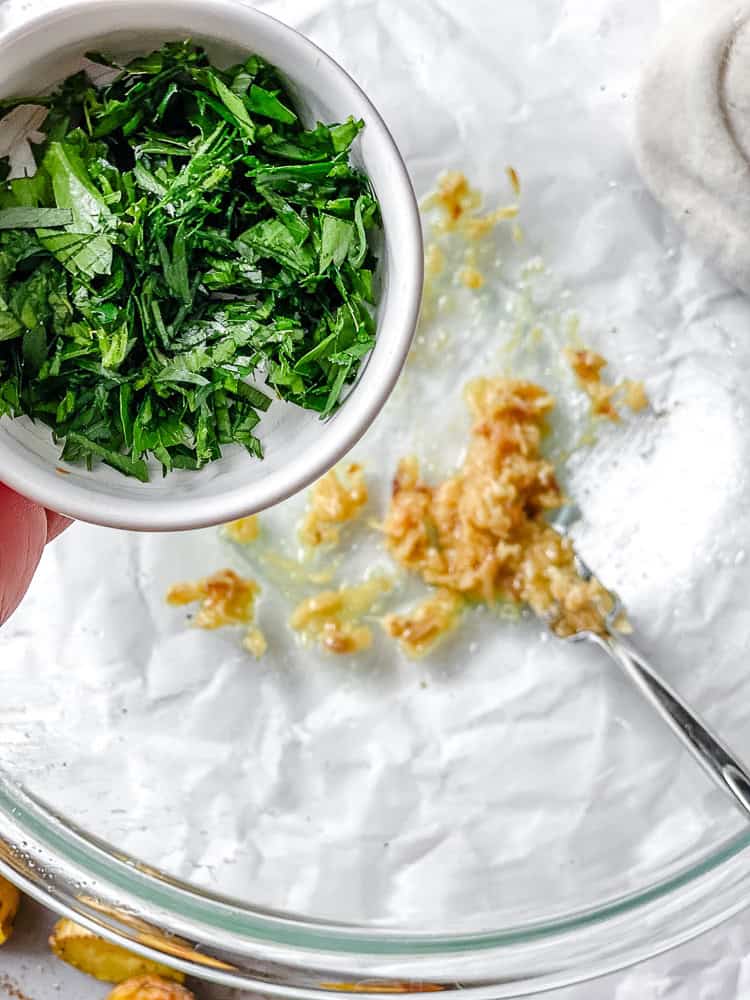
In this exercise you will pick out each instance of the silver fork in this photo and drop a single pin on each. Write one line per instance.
(714, 756)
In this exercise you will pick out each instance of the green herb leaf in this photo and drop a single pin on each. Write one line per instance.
(183, 237)
(234, 104)
(75, 191)
(130, 466)
(335, 241)
(35, 218)
(263, 102)
(271, 238)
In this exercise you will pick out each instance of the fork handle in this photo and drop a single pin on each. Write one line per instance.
(717, 760)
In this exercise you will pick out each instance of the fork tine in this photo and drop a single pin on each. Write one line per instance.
(563, 521)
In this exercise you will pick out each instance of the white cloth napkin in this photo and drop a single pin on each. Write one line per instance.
(693, 134)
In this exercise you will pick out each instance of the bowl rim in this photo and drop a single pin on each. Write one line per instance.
(396, 328)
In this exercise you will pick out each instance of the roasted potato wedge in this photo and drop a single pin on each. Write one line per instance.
(10, 900)
(96, 957)
(150, 988)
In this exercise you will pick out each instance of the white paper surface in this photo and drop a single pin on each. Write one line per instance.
(103, 679)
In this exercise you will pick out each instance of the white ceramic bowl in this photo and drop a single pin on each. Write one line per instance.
(299, 447)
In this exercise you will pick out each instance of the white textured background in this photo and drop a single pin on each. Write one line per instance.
(716, 967)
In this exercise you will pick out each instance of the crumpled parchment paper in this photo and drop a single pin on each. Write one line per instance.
(422, 795)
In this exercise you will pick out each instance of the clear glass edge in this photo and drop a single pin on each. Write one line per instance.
(220, 939)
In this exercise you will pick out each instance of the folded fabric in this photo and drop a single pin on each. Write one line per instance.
(693, 130)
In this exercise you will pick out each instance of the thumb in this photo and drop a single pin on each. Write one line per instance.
(23, 533)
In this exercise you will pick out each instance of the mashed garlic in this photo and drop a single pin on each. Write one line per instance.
(459, 204)
(482, 533)
(332, 618)
(225, 598)
(245, 530)
(420, 629)
(333, 502)
(587, 367)
(634, 394)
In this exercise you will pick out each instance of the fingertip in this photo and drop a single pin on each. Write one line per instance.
(56, 523)
(23, 534)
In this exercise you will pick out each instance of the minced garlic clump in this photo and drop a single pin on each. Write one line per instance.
(255, 642)
(482, 533)
(471, 277)
(634, 394)
(245, 530)
(427, 623)
(434, 260)
(458, 206)
(333, 502)
(332, 618)
(587, 367)
(225, 598)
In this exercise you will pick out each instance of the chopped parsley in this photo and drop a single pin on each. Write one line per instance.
(183, 235)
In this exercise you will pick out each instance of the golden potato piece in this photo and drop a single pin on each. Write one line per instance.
(150, 988)
(96, 957)
(10, 900)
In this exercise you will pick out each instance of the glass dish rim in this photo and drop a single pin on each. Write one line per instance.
(53, 860)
